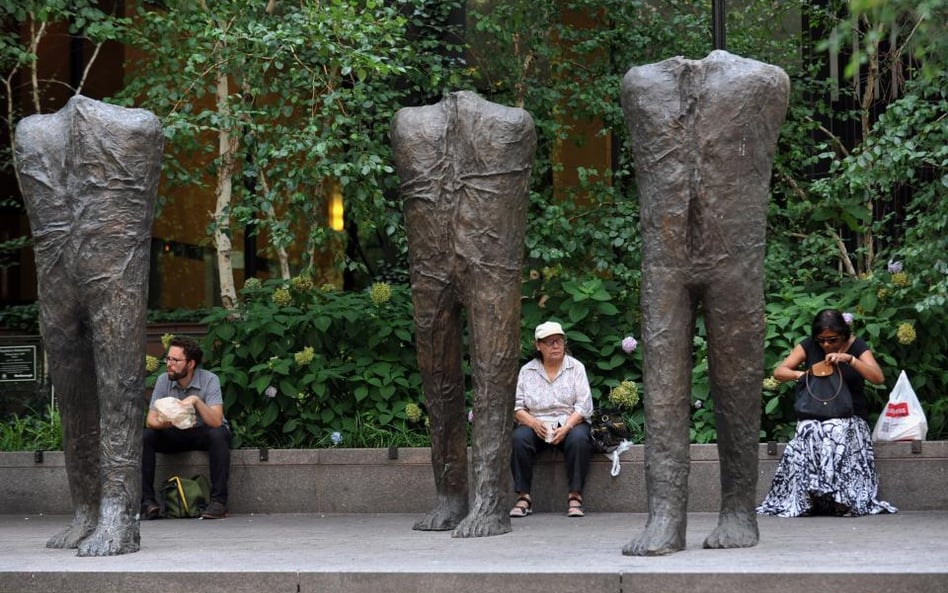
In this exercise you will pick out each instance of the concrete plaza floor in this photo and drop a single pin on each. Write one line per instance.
(546, 552)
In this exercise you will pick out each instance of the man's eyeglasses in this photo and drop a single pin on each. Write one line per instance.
(173, 360)
(830, 340)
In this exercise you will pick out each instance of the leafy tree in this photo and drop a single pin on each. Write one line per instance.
(29, 25)
(302, 94)
(299, 96)
(857, 175)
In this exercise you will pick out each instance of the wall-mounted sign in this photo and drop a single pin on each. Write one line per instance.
(18, 363)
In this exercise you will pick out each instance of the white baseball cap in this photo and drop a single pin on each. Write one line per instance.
(548, 328)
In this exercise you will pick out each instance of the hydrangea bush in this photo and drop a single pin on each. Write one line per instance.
(302, 366)
(299, 364)
(314, 367)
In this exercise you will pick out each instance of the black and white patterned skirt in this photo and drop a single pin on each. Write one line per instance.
(828, 468)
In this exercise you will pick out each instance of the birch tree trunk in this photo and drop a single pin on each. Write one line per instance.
(227, 146)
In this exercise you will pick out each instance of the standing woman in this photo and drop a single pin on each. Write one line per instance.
(828, 468)
(552, 405)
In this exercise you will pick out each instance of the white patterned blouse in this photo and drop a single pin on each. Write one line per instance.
(568, 392)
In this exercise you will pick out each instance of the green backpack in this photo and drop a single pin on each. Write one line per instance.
(186, 498)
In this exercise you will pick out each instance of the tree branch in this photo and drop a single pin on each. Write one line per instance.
(35, 38)
(843, 252)
(85, 71)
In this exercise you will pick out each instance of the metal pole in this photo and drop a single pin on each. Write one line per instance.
(719, 24)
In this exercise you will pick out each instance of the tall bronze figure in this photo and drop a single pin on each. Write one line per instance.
(464, 165)
(90, 176)
(703, 136)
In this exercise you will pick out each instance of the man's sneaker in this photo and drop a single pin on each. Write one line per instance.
(150, 510)
(215, 510)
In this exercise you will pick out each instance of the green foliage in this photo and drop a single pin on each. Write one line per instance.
(879, 201)
(298, 363)
(20, 318)
(177, 315)
(596, 315)
(34, 431)
(10, 248)
(313, 86)
(316, 85)
(917, 26)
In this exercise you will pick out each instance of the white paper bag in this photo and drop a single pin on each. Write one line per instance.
(178, 415)
(903, 418)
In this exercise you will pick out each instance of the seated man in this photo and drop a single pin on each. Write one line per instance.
(203, 428)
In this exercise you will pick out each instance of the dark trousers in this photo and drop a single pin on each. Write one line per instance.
(576, 447)
(216, 441)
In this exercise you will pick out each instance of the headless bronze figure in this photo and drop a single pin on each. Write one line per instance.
(464, 166)
(703, 137)
(90, 176)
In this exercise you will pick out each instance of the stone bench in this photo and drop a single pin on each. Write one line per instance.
(913, 476)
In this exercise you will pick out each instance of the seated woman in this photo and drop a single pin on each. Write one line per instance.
(552, 407)
(828, 467)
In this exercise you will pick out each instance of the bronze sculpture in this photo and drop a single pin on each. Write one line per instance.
(89, 176)
(703, 136)
(464, 165)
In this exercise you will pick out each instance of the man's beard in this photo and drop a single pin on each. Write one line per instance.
(176, 376)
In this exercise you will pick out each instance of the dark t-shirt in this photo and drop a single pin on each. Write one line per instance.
(855, 381)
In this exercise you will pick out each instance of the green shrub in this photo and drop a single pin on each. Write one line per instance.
(35, 431)
(20, 318)
(307, 367)
(298, 363)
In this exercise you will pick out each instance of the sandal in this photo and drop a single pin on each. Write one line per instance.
(523, 507)
(575, 507)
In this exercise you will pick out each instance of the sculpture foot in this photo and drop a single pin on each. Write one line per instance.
(82, 525)
(111, 541)
(660, 537)
(443, 518)
(734, 530)
(482, 526)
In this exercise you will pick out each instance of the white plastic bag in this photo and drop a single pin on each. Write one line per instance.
(624, 445)
(178, 415)
(903, 418)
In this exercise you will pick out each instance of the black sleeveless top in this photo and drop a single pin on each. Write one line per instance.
(855, 381)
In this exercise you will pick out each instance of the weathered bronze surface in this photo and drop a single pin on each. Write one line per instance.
(464, 165)
(90, 176)
(703, 136)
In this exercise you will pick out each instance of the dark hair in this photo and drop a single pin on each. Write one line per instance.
(830, 319)
(192, 350)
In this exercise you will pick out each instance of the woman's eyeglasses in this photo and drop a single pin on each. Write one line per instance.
(829, 340)
(557, 341)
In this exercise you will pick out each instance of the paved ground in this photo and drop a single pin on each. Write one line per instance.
(546, 552)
